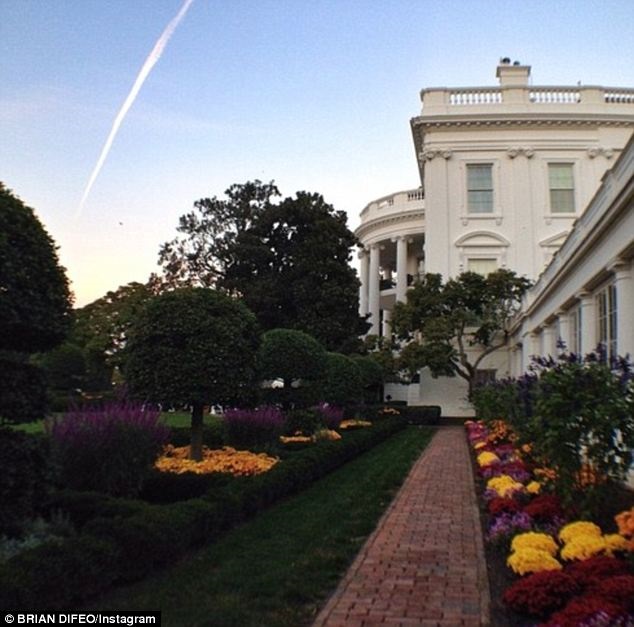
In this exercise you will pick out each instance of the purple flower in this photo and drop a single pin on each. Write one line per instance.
(505, 525)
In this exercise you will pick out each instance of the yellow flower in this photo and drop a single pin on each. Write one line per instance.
(615, 542)
(487, 458)
(478, 445)
(534, 487)
(225, 460)
(579, 528)
(352, 424)
(327, 434)
(533, 540)
(530, 560)
(296, 439)
(504, 485)
(581, 547)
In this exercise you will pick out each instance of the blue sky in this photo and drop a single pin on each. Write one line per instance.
(315, 94)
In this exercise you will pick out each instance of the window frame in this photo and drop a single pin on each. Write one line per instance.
(572, 165)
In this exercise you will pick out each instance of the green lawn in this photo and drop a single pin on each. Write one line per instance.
(279, 568)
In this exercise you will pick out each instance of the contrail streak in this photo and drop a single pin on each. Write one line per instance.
(153, 57)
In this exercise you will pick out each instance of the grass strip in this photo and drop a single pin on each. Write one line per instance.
(279, 568)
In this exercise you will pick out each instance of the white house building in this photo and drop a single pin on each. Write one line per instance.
(506, 173)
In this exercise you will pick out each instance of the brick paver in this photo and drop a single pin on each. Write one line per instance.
(424, 564)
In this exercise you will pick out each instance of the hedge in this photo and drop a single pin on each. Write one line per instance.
(124, 540)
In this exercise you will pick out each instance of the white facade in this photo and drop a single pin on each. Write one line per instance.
(507, 172)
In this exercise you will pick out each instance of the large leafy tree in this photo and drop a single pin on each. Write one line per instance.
(441, 323)
(35, 307)
(195, 347)
(288, 260)
(101, 329)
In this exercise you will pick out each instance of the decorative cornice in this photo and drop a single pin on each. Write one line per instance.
(371, 225)
(430, 153)
(525, 119)
(595, 151)
(515, 151)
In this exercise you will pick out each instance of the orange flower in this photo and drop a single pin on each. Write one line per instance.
(625, 522)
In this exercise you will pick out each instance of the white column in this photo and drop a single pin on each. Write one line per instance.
(549, 340)
(401, 269)
(374, 289)
(564, 330)
(529, 341)
(387, 324)
(363, 277)
(588, 323)
(624, 283)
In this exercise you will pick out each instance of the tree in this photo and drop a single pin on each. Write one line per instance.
(35, 307)
(372, 377)
(342, 385)
(101, 329)
(192, 346)
(35, 300)
(297, 360)
(440, 323)
(289, 261)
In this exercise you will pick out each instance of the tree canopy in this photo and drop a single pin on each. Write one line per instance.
(192, 346)
(35, 300)
(288, 260)
(441, 322)
(35, 307)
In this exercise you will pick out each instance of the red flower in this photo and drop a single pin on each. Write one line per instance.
(545, 508)
(501, 505)
(581, 609)
(592, 571)
(541, 593)
(618, 590)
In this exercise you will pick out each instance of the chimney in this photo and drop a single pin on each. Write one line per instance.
(515, 75)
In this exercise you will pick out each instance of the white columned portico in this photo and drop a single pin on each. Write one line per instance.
(564, 329)
(588, 323)
(624, 283)
(363, 289)
(374, 293)
(401, 269)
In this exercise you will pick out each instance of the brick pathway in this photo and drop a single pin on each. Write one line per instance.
(424, 564)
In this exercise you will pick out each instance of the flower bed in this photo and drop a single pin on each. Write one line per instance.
(121, 540)
(225, 460)
(561, 571)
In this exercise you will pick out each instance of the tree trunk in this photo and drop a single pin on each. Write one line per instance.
(196, 446)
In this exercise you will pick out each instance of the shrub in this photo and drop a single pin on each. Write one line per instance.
(330, 415)
(25, 478)
(111, 449)
(246, 427)
(541, 593)
(342, 385)
(305, 420)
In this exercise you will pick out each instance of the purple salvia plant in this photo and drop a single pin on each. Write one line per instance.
(83, 424)
(506, 525)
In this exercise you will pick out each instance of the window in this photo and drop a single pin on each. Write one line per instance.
(561, 186)
(480, 188)
(483, 266)
(606, 320)
(484, 376)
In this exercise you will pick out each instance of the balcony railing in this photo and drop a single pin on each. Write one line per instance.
(436, 98)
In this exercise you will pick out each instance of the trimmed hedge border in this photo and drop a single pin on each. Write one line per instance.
(124, 540)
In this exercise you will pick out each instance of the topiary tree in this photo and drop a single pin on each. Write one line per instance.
(35, 305)
(372, 378)
(342, 384)
(296, 359)
(195, 347)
